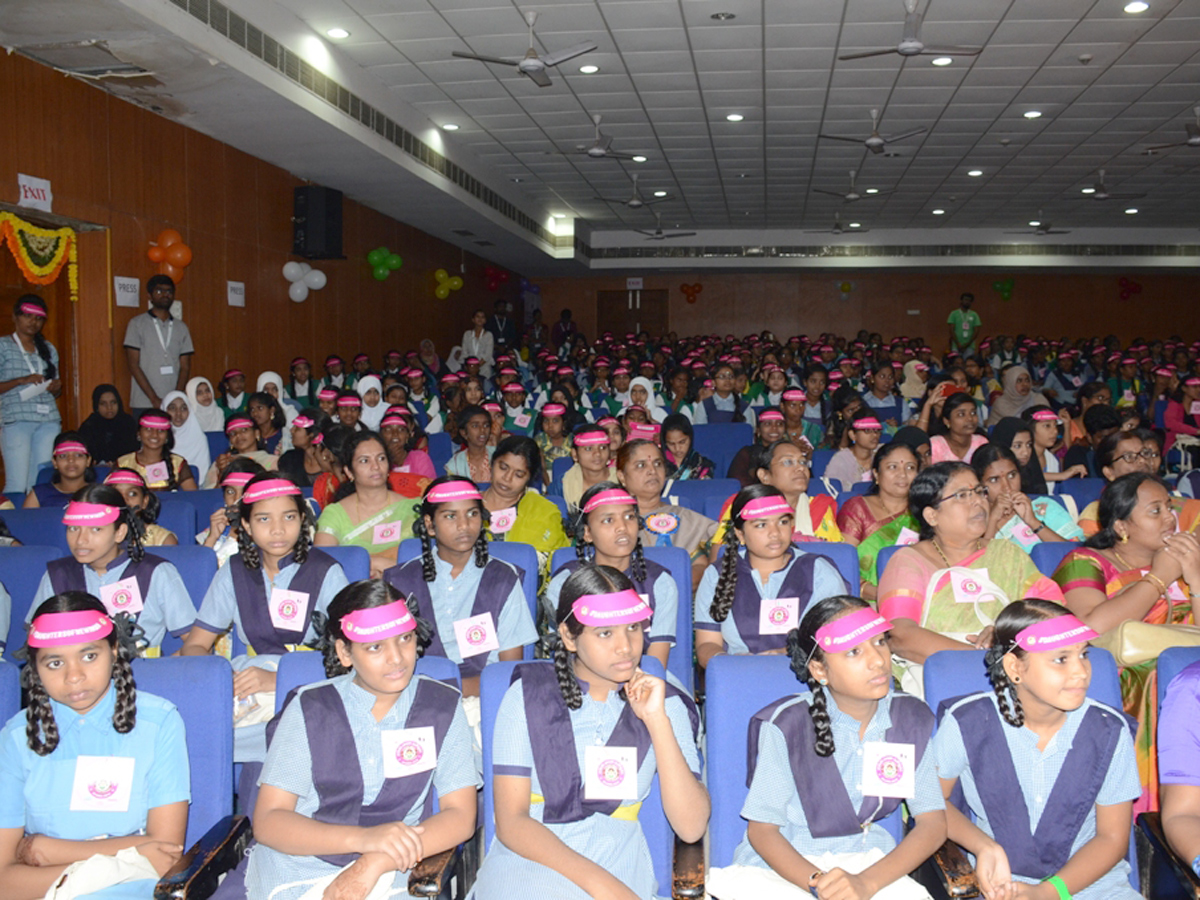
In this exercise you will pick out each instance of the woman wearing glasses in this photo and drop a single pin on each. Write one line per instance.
(1122, 453)
(944, 592)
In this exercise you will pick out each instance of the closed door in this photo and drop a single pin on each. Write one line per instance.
(625, 311)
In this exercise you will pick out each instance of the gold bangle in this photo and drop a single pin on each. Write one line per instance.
(1162, 588)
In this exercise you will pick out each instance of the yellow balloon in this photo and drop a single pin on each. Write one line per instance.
(441, 292)
(455, 283)
(441, 275)
(846, 286)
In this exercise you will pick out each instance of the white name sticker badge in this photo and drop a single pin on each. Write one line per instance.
(166, 370)
(287, 609)
(778, 615)
(610, 773)
(102, 784)
(157, 473)
(387, 533)
(889, 770)
(475, 635)
(906, 537)
(408, 751)
(123, 596)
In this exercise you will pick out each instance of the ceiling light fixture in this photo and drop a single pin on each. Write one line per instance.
(1137, 6)
(975, 173)
(939, 212)
(872, 190)
(1132, 211)
(1033, 114)
(338, 34)
(726, 16)
(854, 225)
(560, 215)
(941, 61)
(638, 158)
(734, 117)
(589, 70)
(449, 126)
(1035, 223)
(660, 193)
(1087, 190)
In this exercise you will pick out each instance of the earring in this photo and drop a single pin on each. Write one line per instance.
(824, 682)
(1016, 679)
(1125, 539)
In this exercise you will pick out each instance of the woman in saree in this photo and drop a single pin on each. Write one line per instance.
(881, 517)
(944, 592)
(1137, 567)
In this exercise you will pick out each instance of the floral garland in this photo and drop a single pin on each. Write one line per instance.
(41, 253)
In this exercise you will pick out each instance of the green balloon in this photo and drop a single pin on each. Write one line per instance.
(997, 285)
(393, 261)
(381, 273)
(376, 257)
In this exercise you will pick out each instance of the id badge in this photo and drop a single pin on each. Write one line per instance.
(102, 784)
(387, 533)
(522, 420)
(610, 773)
(166, 370)
(476, 635)
(889, 770)
(907, 537)
(123, 596)
(502, 520)
(1195, 408)
(408, 751)
(42, 409)
(287, 609)
(157, 472)
(778, 615)
(971, 586)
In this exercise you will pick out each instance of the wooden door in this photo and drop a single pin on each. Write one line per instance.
(625, 311)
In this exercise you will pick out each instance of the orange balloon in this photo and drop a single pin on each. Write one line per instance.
(168, 236)
(172, 272)
(156, 254)
(179, 255)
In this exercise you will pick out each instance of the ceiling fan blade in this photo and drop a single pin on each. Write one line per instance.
(657, 200)
(1165, 146)
(842, 137)
(650, 234)
(675, 234)
(569, 53)
(498, 60)
(538, 77)
(951, 51)
(1058, 231)
(603, 141)
(830, 193)
(868, 53)
(904, 135)
(1124, 196)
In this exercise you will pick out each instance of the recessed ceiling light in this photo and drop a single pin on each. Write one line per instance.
(854, 225)
(338, 34)
(639, 158)
(941, 61)
(1035, 223)
(560, 215)
(872, 190)
(1087, 190)
(660, 193)
(1137, 6)
(518, 180)
(449, 126)
(975, 173)
(589, 70)
(735, 117)
(1033, 114)
(939, 212)
(1132, 211)
(726, 16)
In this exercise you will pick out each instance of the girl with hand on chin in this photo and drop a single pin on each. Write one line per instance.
(560, 832)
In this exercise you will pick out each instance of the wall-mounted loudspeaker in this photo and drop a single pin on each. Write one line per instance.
(317, 222)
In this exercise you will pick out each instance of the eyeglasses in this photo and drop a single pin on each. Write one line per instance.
(1132, 457)
(789, 462)
(965, 495)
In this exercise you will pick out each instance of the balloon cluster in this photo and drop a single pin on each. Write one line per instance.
(1004, 288)
(171, 254)
(383, 263)
(846, 287)
(495, 277)
(1129, 287)
(528, 287)
(691, 291)
(445, 284)
(303, 278)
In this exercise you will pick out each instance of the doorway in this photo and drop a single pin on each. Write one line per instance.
(622, 312)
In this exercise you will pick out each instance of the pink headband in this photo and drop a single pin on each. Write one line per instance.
(349, 401)
(606, 420)
(318, 439)
(1192, 380)
(32, 309)
(302, 422)
(333, 361)
(232, 373)
(513, 387)
(70, 447)
(126, 476)
(272, 487)
(771, 415)
(1165, 373)
(65, 628)
(79, 512)
(617, 608)
(1054, 634)
(643, 429)
(449, 491)
(362, 357)
(1045, 415)
(327, 394)
(365, 626)
(553, 409)
(237, 479)
(158, 423)
(612, 495)
(235, 424)
(620, 370)
(591, 439)
(760, 507)
(299, 361)
(393, 419)
(793, 395)
(492, 405)
(867, 424)
(851, 630)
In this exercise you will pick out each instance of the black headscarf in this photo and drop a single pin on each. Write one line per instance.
(1033, 481)
(109, 439)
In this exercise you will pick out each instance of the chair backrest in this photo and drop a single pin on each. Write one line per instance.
(1189, 483)
(844, 556)
(297, 669)
(38, 526)
(737, 687)
(202, 689)
(881, 561)
(355, 561)
(218, 443)
(1048, 554)
(10, 690)
(204, 502)
(197, 566)
(558, 469)
(1083, 490)
(820, 460)
(441, 448)
(694, 494)
(180, 519)
(21, 571)
(714, 504)
(493, 684)
(1171, 662)
(720, 441)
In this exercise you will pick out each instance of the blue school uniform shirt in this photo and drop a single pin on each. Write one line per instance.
(774, 800)
(666, 604)
(1037, 772)
(826, 583)
(289, 768)
(35, 791)
(453, 598)
(167, 606)
(616, 845)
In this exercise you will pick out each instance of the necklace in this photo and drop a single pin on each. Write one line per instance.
(938, 548)
(1124, 565)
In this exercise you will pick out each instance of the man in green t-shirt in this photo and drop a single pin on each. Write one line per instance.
(964, 322)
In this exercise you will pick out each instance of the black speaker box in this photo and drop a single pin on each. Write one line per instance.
(317, 222)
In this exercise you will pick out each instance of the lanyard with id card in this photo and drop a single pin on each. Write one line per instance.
(102, 784)
(610, 773)
(889, 770)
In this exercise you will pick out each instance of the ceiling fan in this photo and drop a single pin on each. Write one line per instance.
(875, 142)
(1193, 135)
(636, 201)
(1100, 192)
(837, 228)
(910, 42)
(658, 235)
(531, 64)
(1042, 228)
(601, 146)
(853, 194)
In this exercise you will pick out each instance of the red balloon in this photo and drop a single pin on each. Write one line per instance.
(168, 236)
(493, 285)
(1125, 295)
(179, 255)
(172, 272)
(1123, 282)
(503, 277)
(156, 254)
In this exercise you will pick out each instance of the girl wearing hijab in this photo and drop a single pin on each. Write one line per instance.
(190, 442)
(204, 405)
(1018, 395)
(916, 373)
(641, 393)
(271, 383)
(109, 432)
(370, 388)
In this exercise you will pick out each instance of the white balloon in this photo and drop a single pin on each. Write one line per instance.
(298, 291)
(305, 268)
(292, 271)
(315, 279)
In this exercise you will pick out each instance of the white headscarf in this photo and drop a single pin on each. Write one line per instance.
(210, 417)
(289, 411)
(371, 415)
(651, 404)
(190, 442)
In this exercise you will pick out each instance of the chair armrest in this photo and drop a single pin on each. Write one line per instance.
(428, 877)
(196, 874)
(1161, 869)
(688, 870)
(955, 872)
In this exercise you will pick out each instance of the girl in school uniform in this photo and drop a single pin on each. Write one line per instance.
(751, 599)
(91, 767)
(268, 593)
(161, 469)
(328, 812)
(109, 561)
(476, 605)
(561, 831)
(827, 765)
(607, 533)
(72, 470)
(1049, 774)
(145, 503)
